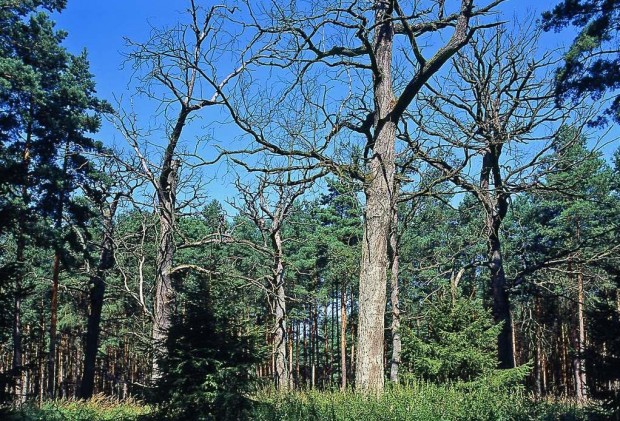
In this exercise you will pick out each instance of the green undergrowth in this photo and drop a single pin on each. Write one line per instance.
(420, 401)
(416, 401)
(99, 408)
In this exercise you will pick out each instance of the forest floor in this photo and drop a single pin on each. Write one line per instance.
(423, 402)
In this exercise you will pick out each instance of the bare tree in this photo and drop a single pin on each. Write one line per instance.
(267, 206)
(320, 48)
(177, 68)
(496, 116)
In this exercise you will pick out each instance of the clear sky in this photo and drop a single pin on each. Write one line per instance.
(101, 26)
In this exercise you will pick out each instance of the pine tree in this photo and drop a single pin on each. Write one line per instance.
(48, 108)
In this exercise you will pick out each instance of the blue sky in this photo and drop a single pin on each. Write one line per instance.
(101, 26)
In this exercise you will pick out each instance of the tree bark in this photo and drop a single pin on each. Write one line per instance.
(501, 304)
(51, 358)
(164, 289)
(495, 203)
(343, 338)
(369, 376)
(60, 209)
(396, 341)
(17, 337)
(579, 364)
(282, 372)
(18, 360)
(379, 183)
(97, 293)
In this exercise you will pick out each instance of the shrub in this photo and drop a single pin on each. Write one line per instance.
(208, 371)
(456, 340)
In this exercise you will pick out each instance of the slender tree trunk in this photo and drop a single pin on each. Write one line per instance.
(282, 372)
(353, 339)
(51, 362)
(369, 374)
(18, 358)
(97, 292)
(538, 366)
(51, 358)
(396, 341)
(580, 369)
(290, 356)
(315, 342)
(17, 367)
(40, 382)
(343, 338)
(327, 366)
(297, 355)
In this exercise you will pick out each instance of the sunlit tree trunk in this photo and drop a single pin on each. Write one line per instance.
(396, 341)
(164, 298)
(343, 338)
(579, 362)
(369, 376)
(282, 372)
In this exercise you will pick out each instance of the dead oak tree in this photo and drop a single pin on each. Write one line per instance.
(181, 70)
(496, 114)
(337, 58)
(267, 207)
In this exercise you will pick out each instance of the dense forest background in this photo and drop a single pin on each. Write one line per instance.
(416, 193)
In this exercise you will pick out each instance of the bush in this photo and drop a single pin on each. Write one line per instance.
(456, 340)
(208, 372)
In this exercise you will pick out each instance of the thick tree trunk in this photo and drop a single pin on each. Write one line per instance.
(396, 341)
(369, 371)
(495, 203)
(501, 304)
(97, 292)
(166, 187)
(164, 289)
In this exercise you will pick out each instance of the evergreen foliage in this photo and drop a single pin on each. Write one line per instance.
(454, 339)
(208, 373)
(591, 65)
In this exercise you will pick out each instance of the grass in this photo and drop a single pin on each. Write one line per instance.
(98, 408)
(420, 401)
(416, 401)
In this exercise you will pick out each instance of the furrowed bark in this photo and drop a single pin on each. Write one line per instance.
(369, 376)
(282, 371)
(396, 341)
